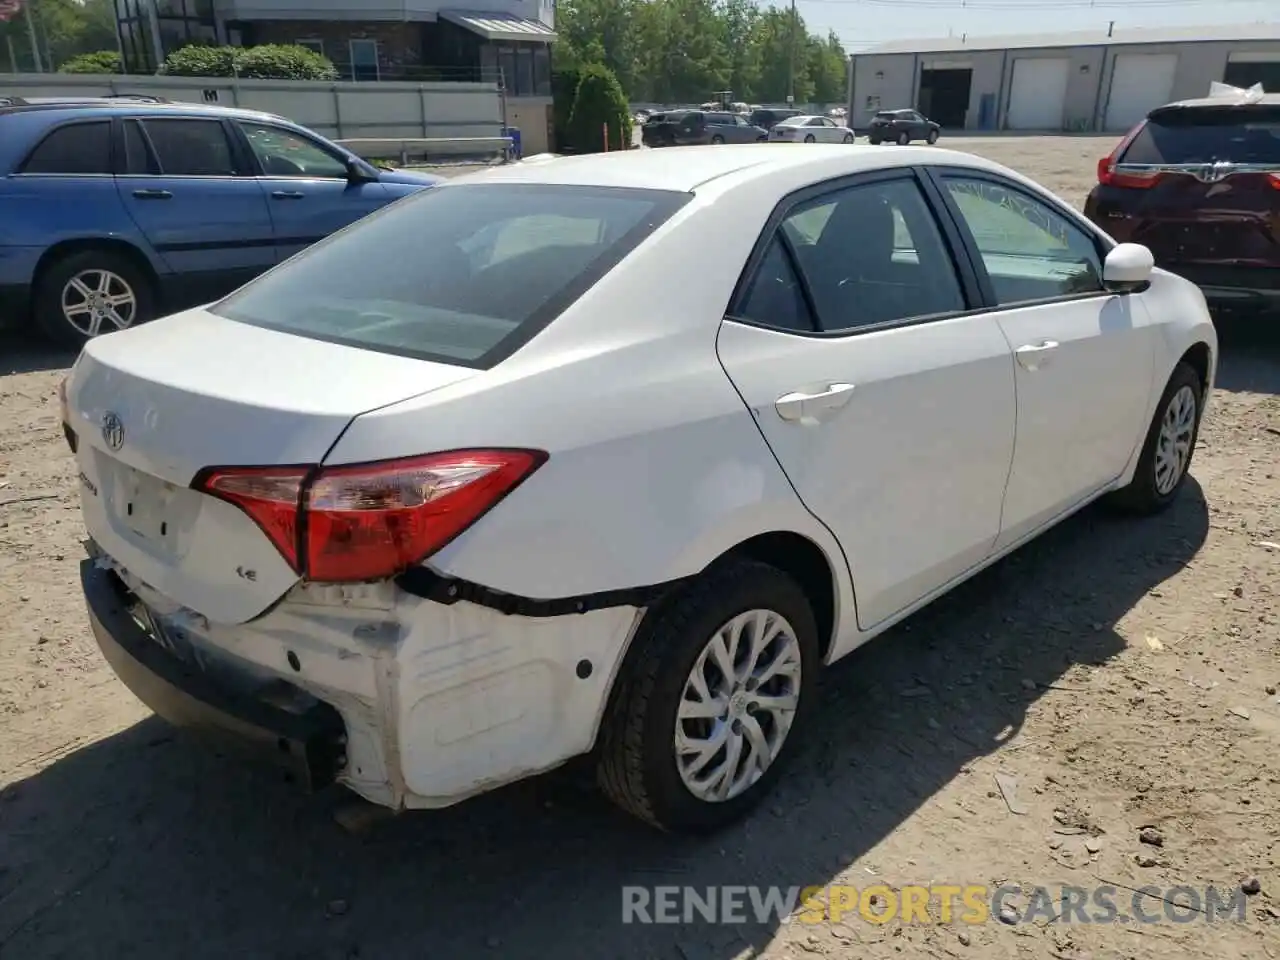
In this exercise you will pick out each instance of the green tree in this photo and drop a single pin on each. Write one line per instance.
(685, 50)
(599, 104)
(63, 28)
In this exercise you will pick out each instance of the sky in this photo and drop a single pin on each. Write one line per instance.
(860, 23)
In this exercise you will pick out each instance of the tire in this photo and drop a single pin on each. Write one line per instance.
(55, 295)
(1150, 490)
(638, 766)
(874, 141)
(904, 139)
(763, 139)
(848, 138)
(809, 138)
(933, 137)
(717, 140)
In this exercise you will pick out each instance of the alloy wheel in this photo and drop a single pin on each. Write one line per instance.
(1173, 443)
(738, 705)
(93, 299)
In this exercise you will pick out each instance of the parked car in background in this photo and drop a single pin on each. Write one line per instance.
(902, 127)
(810, 129)
(388, 528)
(766, 117)
(1199, 183)
(679, 128)
(117, 210)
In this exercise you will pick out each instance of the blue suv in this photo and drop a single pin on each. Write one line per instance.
(115, 211)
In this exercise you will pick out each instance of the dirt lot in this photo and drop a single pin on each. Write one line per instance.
(1122, 673)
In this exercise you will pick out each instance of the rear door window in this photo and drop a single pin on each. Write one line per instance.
(459, 274)
(191, 148)
(77, 148)
(1201, 135)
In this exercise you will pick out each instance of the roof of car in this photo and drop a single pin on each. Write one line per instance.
(696, 166)
(112, 106)
(1266, 100)
(801, 116)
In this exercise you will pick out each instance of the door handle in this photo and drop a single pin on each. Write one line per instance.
(799, 406)
(1033, 356)
(153, 194)
(287, 195)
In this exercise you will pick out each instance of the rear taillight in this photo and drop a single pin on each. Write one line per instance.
(1108, 176)
(370, 521)
(1274, 179)
(270, 496)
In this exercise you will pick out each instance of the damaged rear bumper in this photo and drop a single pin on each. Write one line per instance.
(309, 744)
(411, 701)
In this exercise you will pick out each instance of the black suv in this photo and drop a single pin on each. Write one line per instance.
(767, 117)
(902, 126)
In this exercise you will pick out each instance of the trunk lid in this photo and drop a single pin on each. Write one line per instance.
(152, 406)
(1214, 193)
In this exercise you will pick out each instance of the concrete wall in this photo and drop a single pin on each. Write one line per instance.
(895, 77)
(335, 110)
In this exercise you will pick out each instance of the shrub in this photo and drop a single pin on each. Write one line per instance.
(599, 101)
(564, 87)
(281, 62)
(103, 61)
(267, 62)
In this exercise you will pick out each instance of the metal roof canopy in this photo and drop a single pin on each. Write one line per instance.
(500, 26)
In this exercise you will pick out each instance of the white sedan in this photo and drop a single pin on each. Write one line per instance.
(810, 129)
(429, 523)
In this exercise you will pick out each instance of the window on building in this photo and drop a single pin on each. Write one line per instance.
(542, 70)
(524, 70)
(316, 46)
(364, 60)
(507, 64)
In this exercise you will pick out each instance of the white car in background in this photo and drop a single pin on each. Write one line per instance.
(810, 129)
(431, 522)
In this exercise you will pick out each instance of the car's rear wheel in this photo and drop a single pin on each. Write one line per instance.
(712, 700)
(904, 139)
(1170, 443)
(809, 138)
(91, 292)
(874, 141)
(933, 136)
(717, 139)
(848, 138)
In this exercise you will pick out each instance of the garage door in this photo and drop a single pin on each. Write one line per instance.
(1139, 83)
(1038, 93)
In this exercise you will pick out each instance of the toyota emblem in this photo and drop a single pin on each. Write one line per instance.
(112, 430)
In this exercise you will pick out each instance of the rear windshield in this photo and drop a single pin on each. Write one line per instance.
(461, 274)
(1209, 135)
(886, 115)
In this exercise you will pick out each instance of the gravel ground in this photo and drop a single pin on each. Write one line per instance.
(1121, 675)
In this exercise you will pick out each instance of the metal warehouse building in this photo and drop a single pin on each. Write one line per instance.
(1091, 80)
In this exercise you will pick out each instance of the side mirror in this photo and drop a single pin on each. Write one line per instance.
(1127, 268)
(357, 172)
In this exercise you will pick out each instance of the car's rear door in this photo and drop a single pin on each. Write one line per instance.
(1200, 186)
(186, 187)
(306, 185)
(1084, 356)
(886, 398)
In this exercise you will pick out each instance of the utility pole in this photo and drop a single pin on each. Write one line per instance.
(791, 60)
